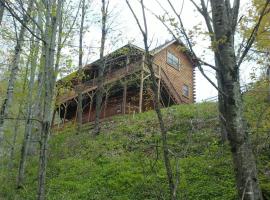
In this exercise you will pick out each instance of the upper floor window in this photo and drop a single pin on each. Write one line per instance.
(185, 90)
(172, 60)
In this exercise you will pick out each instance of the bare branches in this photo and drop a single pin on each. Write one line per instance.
(156, 100)
(72, 25)
(14, 14)
(204, 12)
(23, 119)
(144, 18)
(190, 46)
(197, 6)
(135, 17)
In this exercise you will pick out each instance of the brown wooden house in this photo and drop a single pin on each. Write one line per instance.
(127, 85)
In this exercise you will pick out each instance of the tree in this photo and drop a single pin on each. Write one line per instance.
(149, 62)
(262, 37)
(222, 27)
(2, 9)
(14, 67)
(102, 63)
(34, 51)
(80, 71)
(52, 16)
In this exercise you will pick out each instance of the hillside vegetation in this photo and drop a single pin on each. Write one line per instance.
(125, 161)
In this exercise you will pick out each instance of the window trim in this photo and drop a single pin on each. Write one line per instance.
(167, 60)
(183, 90)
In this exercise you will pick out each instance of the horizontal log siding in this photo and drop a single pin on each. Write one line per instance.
(185, 75)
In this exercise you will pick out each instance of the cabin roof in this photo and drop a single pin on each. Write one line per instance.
(130, 49)
(163, 46)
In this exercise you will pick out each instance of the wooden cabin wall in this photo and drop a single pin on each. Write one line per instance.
(185, 74)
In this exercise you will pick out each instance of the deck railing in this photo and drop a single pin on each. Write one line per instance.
(90, 85)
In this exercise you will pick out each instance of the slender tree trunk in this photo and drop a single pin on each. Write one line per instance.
(80, 72)
(2, 9)
(243, 158)
(100, 89)
(28, 126)
(14, 139)
(13, 74)
(17, 122)
(161, 124)
(221, 105)
(52, 20)
(149, 62)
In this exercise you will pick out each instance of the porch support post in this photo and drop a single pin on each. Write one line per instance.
(52, 123)
(124, 98)
(141, 86)
(65, 113)
(75, 120)
(59, 116)
(90, 106)
(105, 104)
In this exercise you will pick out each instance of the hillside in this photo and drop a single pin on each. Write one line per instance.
(125, 162)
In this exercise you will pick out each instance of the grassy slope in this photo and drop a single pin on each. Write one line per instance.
(125, 160)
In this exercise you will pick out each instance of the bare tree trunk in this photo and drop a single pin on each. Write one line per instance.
(161, 124)
(14, 139)
(243, 158)
(2, 9)
(80, 72)
(221, 105)
(149, 62)
(100, 89)
(17, 122)
(13, 75)
(28, 126)
(52, 20)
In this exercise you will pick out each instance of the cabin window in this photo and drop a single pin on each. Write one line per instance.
(185, 90)
(172, 60)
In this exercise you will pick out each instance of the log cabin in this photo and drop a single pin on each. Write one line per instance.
(127, 82)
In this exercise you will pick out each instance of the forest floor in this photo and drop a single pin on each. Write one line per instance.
(124, 162)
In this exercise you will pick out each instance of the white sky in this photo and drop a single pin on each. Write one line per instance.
(125, 25)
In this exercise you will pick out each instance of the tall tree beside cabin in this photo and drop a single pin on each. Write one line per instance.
(149, 62)
(221, 27)
(80, 71)
(225, 20)
(34, 50)
(100, 88)
(2, 9)
(14, 67)
(49, 44)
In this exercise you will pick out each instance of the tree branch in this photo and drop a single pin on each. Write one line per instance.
(10, 10)
(253, 35)
(135, 17)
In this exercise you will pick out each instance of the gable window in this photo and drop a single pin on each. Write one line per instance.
(172, 60)
(185, 90)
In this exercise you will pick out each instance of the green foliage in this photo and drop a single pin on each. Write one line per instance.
(257, 112)
(125, 161)
(249, 22)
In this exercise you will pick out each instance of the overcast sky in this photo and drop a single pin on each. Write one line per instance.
(126, 30)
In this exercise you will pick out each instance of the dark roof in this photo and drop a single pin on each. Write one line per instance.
(130, 49)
